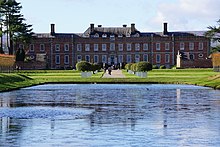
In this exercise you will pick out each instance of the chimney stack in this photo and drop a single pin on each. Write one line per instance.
(92, 28)
(165, 31)
(99, 26)
(132, 28)
(52, 29)
(124, 26)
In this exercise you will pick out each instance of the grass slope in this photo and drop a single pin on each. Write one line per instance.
(202, 77)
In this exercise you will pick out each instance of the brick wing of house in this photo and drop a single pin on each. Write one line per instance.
(115, 46)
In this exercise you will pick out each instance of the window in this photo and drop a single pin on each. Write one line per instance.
(158, 58)
(157, 46)
(79, 58)
(42, 47)
(145, 57)
(96, 58)
(191, 46)
(66, 47)
(112, 37)
(57, 59)
(120, 47)
(104, 59)
(103, 47)
(79, 47)
(137, 46)
(167, 58)
(96, 47)
(87, 58)
(120, 58)
(191, 57)
(137, 58)
(96, 35)
(66, 59)
(31, 47)
(167, 46)
(128, 58)
(120, 35)
(182, 45)
(128, 47)
(57, 47)
(112, 46)
(87, 47)
(104, 36)
(200, 45)
(145, 46)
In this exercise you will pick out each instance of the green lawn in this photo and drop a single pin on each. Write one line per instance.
(203, 77)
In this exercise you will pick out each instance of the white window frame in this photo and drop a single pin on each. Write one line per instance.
(66, 59)
(42, 47)
(158, 46)
(57, 47)
(158, 58)
(104, 58)
(96, 47)
(201, 45)
(87, 58)
(191, 46)
(120, 58)
(137, 46)
(79, 47)
(66, 47)
(167, 58)
(137, 58)
(120, 47)
(128, 46)
(104, 36)
(79, 58)
(145, 56)
(112, 46)
(145, 46)
(128, 59)
(87, 47)
(96, 57)
(57, 59)
(167, 46)
(182, 45)
(104, 47)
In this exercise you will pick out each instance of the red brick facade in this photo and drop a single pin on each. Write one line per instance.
(115, 46)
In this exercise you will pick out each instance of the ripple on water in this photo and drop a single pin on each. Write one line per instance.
(44, 112)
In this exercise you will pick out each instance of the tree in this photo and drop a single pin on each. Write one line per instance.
(13, 20)
(20, 54)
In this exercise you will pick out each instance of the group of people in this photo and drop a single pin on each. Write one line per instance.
(110, 68)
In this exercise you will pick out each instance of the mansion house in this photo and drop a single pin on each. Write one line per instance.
(115, 46)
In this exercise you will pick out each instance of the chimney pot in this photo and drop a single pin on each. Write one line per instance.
(52, 27)
(124, 25)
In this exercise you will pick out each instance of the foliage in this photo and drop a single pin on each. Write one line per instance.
(143, 66)
(83, 66)
(128, 66)
(162, 67)
(20, 55)
(95, 67)
(214, 32)
(155, 67)
(134, 67)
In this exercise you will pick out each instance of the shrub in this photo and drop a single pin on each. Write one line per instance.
(162, 67)
(143, 66)
(95, 67)
(155, 67)
(128, 66)
(83, 66)
(134, 67)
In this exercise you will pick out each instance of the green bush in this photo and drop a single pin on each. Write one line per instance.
(128, 66)
(95, 67)
(83, 66)
(143, 66)
(162, 67)
(155, 67)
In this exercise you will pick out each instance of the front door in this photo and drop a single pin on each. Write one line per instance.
(112, 58)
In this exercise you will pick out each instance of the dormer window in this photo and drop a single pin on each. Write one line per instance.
(120, 35)
(128, 35)
(96, 35)
(112, 37)
(104, 36)
(136, 35)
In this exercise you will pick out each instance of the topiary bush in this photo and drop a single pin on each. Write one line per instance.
(128, 66)
(162, 67)
(143, 66)
(134, 67)
(83, 66)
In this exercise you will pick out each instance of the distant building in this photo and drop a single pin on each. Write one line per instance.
(116, 45)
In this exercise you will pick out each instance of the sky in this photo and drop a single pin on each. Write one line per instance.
(75, 16)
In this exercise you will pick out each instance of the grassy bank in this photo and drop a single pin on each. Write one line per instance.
(203, 77)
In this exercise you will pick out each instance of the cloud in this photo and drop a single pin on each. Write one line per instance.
(188, 14)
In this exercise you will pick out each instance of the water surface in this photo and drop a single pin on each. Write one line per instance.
(110, 115)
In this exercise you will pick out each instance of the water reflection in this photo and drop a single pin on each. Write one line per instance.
(110, 115)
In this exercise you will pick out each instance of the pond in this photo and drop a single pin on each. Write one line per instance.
(110, 115)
